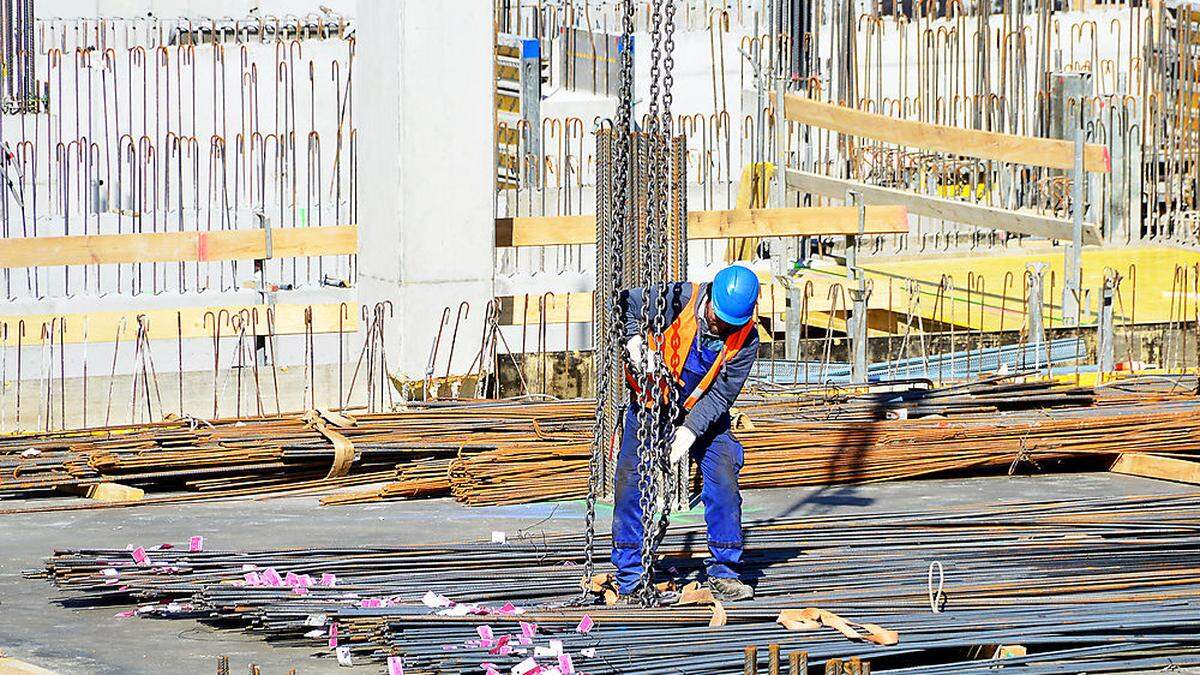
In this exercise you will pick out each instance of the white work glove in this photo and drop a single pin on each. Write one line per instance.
(684, 438)
(642, 359)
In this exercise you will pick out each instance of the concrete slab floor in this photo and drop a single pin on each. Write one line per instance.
(94, 641)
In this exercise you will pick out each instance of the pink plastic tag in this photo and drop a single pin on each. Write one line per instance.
(528, 629)
(585, 624)
(395, 665)
(300, 590)
(291, 579)
(139, 556)
(271, 578)
(195, 544)
(501, 645)
(370, 603)
(509, 608)
(485, 632)
(333, 634)
(253, 579)
(489, 669)
(565, 664)
(124, 615)
(328, 579)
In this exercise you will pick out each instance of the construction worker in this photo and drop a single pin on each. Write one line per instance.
(709, 347)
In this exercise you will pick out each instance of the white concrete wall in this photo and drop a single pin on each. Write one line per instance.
(425, 97)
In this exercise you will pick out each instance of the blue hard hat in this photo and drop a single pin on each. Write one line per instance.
(734, 294)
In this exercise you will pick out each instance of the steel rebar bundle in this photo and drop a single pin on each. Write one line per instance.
(520, 451)
(1095, 583)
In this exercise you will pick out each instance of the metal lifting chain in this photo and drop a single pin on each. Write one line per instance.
(657, 419)
(609, 348)
(671, 404)
(647, 430)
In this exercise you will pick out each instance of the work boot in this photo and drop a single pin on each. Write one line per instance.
(659, 599)
(730, 590)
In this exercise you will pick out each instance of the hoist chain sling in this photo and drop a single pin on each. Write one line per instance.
(608, 347)
(655, 421)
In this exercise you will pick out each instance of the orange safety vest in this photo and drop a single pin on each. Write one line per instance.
(678, 339)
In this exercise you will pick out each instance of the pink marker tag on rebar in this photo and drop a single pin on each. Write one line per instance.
(395, 665)
(139, 556)
(565, 664)
(196, 544)
(300, 590)
(328, 579)
(510, 608)
(124, 615)
(526, 641)
(585, 624)
(489, 669)
(528, 629)
(291, 579)
(371, 603)
(502, 645)
(485, 632)
(333, 635)
(271, 578)
(253, 579)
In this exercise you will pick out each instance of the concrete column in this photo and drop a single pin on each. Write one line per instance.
(424, 96)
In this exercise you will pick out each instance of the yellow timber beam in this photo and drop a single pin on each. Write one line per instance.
(978, 215)
(150, 247)
(791, 222)
(1028, 150)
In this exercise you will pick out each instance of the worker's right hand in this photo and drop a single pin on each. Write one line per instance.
(641, 359)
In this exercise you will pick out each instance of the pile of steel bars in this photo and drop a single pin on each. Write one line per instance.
(1095, 584)
(519, 451)
(270, 455)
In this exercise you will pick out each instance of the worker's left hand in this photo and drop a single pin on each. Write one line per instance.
(684, 438)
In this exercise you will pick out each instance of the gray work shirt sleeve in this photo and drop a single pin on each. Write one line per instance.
(725, 389)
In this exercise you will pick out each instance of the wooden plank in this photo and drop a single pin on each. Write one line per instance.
(545, 230)
(1019, 222)
(108, 249)
(1047, 152)
(810, 221)
(164, 323)
(513, 307)
(793, 222)
(1158, 467)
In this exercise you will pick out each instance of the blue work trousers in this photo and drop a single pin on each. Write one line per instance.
(720, 457)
